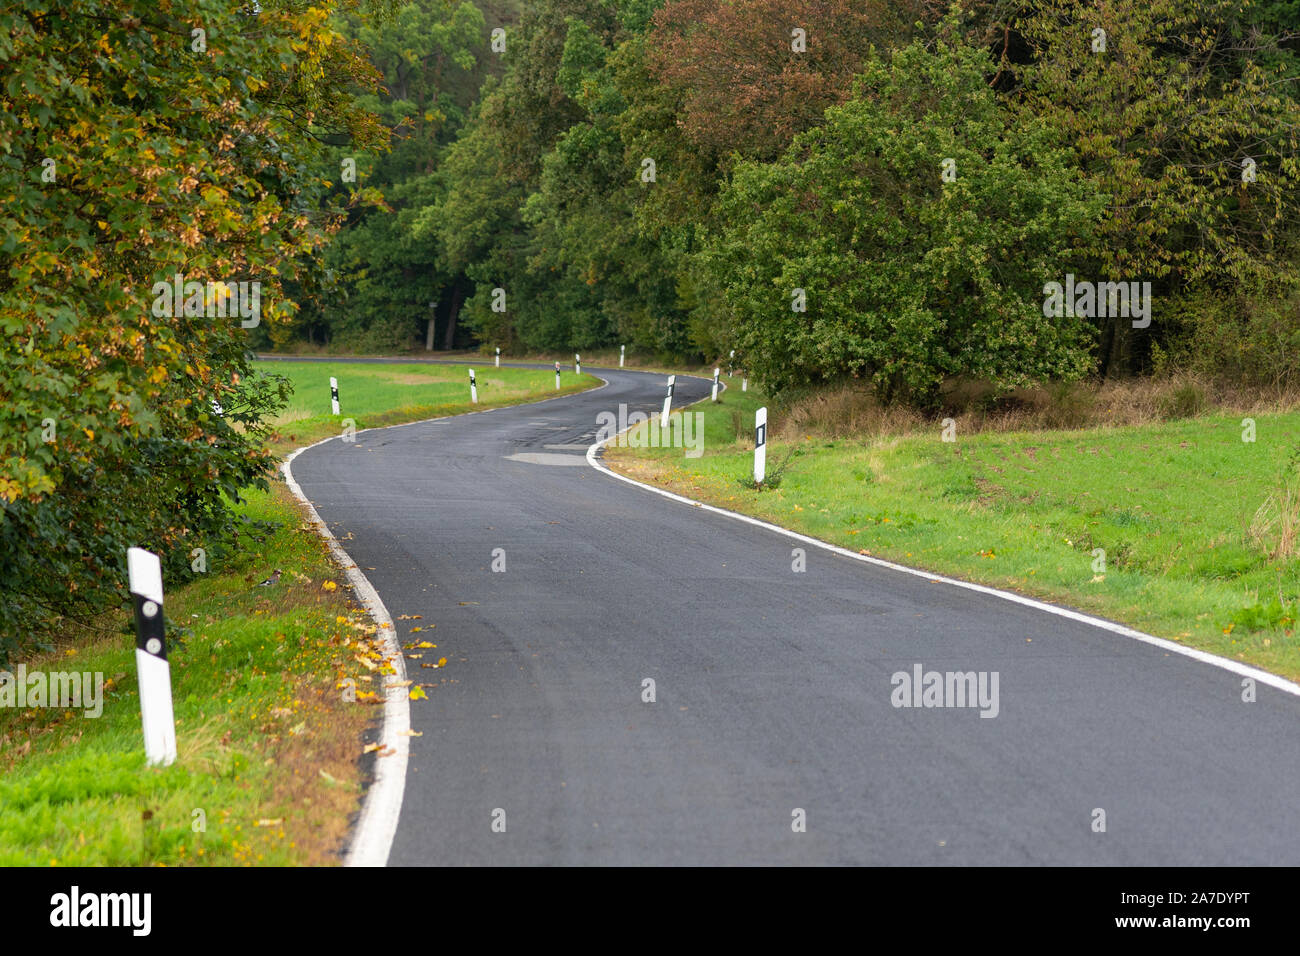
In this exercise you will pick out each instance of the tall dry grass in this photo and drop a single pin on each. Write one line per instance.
(851, 410)
(1275, 529)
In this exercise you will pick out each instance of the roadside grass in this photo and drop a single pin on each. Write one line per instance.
(270, 754)
(1175, 506)
(376, 395)
(478, 359)
(267, 768)
(608, 358)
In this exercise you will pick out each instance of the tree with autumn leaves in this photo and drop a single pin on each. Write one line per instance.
(140, 142)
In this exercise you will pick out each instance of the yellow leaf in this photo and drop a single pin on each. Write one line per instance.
(417, 693)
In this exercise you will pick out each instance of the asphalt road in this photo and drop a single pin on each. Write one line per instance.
(773, 688)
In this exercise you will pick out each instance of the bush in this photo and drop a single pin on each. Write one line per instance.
(1245, 337)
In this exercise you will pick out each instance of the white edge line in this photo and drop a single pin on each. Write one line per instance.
(382, 805)
(1245, 670)
(372, 839)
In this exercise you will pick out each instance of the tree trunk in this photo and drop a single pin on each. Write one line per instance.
(1121, 348)
(457, 295)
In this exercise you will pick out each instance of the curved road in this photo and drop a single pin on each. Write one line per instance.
(774, 689)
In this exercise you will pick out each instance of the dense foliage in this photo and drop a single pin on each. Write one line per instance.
(603, 184)
(850, 254)
(142, 142)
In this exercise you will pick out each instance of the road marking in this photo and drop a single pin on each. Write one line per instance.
(542, 458)
(1245, 670)
(383, 801)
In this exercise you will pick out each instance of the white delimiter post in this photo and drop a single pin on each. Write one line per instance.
(577, 363)
(668, 402)
(557, 376)
(622, 351)
(473, 388)
(715, 384)
(760, 445)
(334, 395)
(498, 358)
(144, 572)
(744, 384)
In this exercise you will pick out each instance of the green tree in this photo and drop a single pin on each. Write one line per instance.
(908, 279)
(1164, 121)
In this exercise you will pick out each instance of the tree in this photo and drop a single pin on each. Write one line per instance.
(749, 81)
(142, 144)
(1165, 120)
(905, 279)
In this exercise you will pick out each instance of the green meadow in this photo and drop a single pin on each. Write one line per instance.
(372, 395)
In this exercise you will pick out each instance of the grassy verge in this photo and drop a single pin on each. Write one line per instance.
(267, 769)
(1192, 519)
(270, 761)
(473, 358)
(376, 395)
